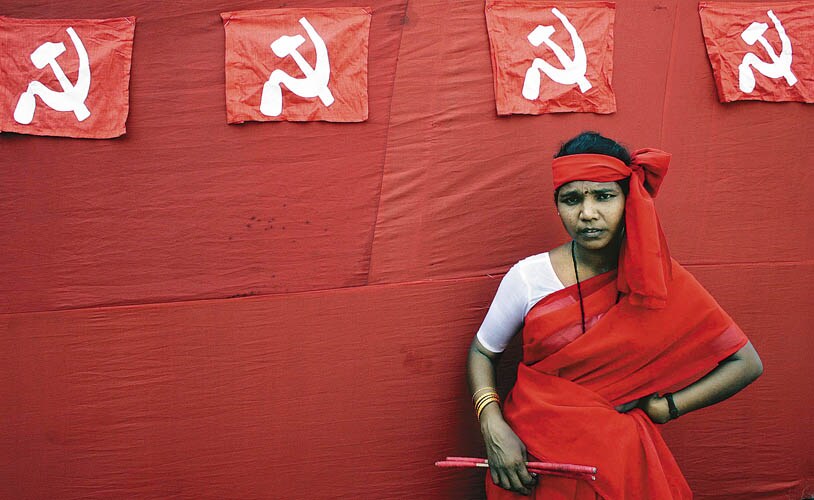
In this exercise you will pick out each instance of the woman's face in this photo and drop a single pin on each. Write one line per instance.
(592, 212)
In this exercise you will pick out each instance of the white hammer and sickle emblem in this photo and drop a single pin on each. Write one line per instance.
(780, 65)
(315, 83)
(573, 70)
(72, 97)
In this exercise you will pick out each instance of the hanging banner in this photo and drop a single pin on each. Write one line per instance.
(65, 77)
(760, 51)
(297, 64)
(551, 57)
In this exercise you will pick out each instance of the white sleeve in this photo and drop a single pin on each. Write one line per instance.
(507, 312)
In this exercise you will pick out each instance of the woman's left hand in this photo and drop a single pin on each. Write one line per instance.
(628, 406)
(654, 406)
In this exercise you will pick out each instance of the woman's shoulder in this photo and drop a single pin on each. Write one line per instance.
(546, 261)
(540, 260)
(537, 272)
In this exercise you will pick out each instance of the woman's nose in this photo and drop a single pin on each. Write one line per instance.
(588, 211)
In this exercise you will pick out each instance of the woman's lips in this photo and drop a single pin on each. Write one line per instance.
(591, 232)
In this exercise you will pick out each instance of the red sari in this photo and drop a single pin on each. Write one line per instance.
(568, 384)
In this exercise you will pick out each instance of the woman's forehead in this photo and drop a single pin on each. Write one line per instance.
(588, 186)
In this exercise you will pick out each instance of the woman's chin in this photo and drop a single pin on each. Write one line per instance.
(593, 243)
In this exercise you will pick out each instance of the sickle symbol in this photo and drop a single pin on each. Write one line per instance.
(573, 70)
(315, 83)
(72, 97)
(780, 65)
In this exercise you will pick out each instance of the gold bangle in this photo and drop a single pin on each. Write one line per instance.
(485, 404)
(488, 389)
(488, 395)
(491, 396)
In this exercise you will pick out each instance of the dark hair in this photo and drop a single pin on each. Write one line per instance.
(593, 142)
(596, 143)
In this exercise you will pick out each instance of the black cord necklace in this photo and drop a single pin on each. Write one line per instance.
(579, 288)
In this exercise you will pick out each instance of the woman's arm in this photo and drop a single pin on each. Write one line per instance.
(504, 450)
(730, 376)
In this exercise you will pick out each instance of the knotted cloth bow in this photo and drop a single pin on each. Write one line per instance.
(644, 259)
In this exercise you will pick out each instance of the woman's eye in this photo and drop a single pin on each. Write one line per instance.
(571, 200)
(605, 196)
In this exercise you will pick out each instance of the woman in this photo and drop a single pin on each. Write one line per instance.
(610, 326)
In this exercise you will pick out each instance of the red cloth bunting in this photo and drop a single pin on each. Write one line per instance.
(297, 64)
(759, 51)
(551, 57)
(65, 77)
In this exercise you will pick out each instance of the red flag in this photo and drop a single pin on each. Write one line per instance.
(760, 51)
(65, 77)
(551, 57)
(297, 64)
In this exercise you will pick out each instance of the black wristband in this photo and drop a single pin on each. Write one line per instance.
(671, 405)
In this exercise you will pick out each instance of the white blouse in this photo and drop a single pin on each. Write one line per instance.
(526, 283)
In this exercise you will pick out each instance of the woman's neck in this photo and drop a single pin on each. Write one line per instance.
(598, 261)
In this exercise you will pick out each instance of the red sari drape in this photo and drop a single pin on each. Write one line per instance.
(568, 384)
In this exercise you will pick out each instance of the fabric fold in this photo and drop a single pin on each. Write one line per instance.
(563, 403)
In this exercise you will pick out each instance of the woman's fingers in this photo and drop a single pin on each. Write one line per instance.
(627, 406)
(510, 479)
(515, 477)
(495, 476)
(522, 472)
(516, 483)
(504, 483)
(525, 477)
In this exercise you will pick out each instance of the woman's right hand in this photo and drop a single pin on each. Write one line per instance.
(506, 453)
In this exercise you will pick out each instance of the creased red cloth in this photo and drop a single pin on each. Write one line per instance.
(760, 51)
(644, 260)
(65, 77)
(563, 404)
(583, 59)
(313, 59)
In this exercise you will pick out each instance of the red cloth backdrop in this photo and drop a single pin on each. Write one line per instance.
(282, 310)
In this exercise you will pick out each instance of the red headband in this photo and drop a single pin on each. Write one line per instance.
(644, 261)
